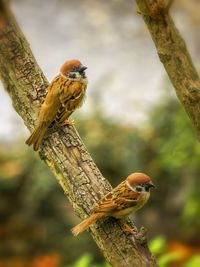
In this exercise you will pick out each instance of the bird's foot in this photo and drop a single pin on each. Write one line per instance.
(140, 236)
(68, 122)
(129, 230)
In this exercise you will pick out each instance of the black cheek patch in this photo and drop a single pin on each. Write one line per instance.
(146, 188)
(72, 75)
(138, 189)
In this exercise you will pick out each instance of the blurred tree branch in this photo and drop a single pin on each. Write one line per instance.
(173, 53)
(63, 151)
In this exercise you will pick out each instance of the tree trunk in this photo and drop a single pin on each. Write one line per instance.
(173, 53)
(63, 150)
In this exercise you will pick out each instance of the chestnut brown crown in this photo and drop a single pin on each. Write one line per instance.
(70, 65)
(138, 178)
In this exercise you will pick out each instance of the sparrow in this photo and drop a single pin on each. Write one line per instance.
(126, 198)
(65, 94)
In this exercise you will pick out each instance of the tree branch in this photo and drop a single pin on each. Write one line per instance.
(173, 53)
(63, 151)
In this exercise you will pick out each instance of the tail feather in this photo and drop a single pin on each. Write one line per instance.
(86, 223)
(36, 137)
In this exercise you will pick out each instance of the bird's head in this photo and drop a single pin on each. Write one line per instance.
(73, 69)
(139, 182)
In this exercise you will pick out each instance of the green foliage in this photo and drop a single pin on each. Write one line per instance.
(158, 248)
(86, 261)
(168, 258)
(157, 245)
(83, 261)
(194, 262)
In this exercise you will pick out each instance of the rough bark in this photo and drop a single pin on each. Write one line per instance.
(63, 151)
(174, 55)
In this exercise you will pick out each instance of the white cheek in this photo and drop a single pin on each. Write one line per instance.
(78, 76)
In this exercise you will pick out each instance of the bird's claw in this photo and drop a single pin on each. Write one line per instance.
(129, 230)
(140, 235)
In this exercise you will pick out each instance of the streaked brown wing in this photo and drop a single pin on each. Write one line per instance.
(71, 94)
(51, 103)
(70, 100)
(119, 198)
(62, 115)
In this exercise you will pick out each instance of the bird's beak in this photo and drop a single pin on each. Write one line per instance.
(82, 69)
(151, 185)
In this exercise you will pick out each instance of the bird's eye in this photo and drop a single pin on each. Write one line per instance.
(74, 68)
(139, 188)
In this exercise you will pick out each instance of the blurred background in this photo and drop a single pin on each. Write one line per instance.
(131, 110)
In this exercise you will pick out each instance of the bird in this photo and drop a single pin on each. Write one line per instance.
(129, 196)
(65, 94)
